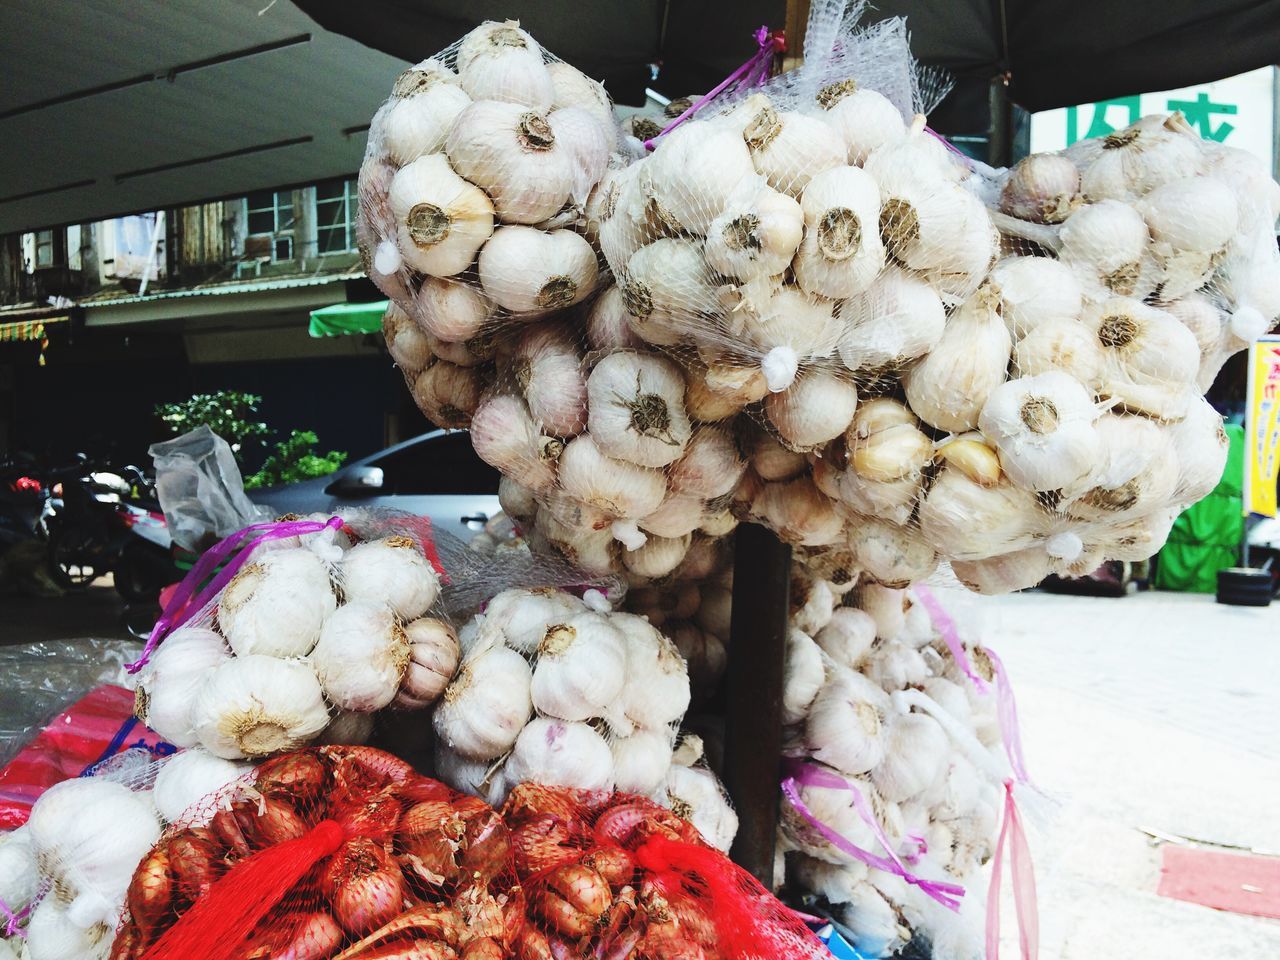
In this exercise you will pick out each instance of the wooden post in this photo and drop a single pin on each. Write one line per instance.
(753, 715)
(797, 20)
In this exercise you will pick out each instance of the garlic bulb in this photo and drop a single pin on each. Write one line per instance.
(789, 329)
(1151, 359)
(526, 270)
(618, 487)
(190, 776)
(348, 727)
(657, 557)
(803, 676)
(51, 934)
(1042, 188)
(710, 468)
(818, 407)
(1035, 290)
(894, 665)
(798, 512)
(1141, 538)
(505, 436)
(276, 604)
(915, 756)
(393, 571)
(657, 689)
(591, 551)
(581, 668)
(560, 754)
(607, 325)
(447, 394)
(410, 350)
(967, 519)
(641, 761)
(948, 387)
(898, 318)
(812, 602)
(894, 555)
(486, 705)
(864, 119)
(442, 220)
(1198, 314)
(1006, 573)
(695, 168)
(834, 882)
(880, 930)
(451, 310)
(885, 605)
(548, 371)
(932, 224)
(788, 148)
(842, 252)
(843, 728)
(522, 617)
(1065, 345)
(1139, 472)
(1107, 243)
(425, 101)
(362, 656)
(475, 777)
(705, 656)
(1042, 427)
(587, 141)
(255, 706)
(1141, 157)
(167, 686)
(1201, 446)
(573, 88)
(715, 610)
(694, 794)
(636, 408)
(772, 461)
(756, 234)
(499, 61)
(19, 873)
(1196, 214)
(830, 806)
(848, 637)
(668, 289)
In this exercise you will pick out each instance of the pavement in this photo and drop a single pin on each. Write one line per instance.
(1156, 711)
(97, 611)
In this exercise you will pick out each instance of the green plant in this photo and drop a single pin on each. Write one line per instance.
(228, 413)
(295, 459)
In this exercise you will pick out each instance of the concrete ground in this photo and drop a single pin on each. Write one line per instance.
(1157, 711)
(96, 611)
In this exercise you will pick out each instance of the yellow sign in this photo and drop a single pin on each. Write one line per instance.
(1262, 428)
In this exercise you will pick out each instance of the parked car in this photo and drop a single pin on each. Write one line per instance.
(437, 475)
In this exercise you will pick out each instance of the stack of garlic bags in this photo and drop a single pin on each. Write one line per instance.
(564, 691)
(312, 636)
(874, 695)
(475, 175)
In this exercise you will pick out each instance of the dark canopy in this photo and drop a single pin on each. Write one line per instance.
(1055, 52)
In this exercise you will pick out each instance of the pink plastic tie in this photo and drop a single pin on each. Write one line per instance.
(12, 920)
(1022, 875)
(950, 635)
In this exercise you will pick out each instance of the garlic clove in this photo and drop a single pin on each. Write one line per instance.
(972, 457)
(442, 220)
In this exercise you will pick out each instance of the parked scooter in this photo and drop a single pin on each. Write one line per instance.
(24, 512)
(107, 524)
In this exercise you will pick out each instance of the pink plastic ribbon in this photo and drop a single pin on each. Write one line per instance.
(11, 919)
(921, 848)
(186, 602)
(949, 145)
(1023, 877)
(1007, 711)
(799, 772)
(950, 635)
(751, 74)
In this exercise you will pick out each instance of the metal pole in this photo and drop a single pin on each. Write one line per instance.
(753, 716)
(1000, 146)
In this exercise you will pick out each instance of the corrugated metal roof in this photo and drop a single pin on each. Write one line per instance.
(115, 298)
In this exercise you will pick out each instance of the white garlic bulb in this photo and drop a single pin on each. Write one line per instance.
(451, 310)
(393, 571)
(842, 252)
(425, 101)
(168, 685)
(256, 705)
(1106, 243)
(668, 289)
(434, 650)
(915, 756)
(694, 794)
(523, 617)
(447, 394)
(948, 387)
(885, 605)
(657, 556)
(506, 437)
(1042, 188)
(641, 761)
(865, 119)
(896, 319)
(499, 61)
(607, 326)
(276, 603)
(441, 219)
(1201, 446)
(486, 705)
(1141, 157)
(580, 669)
(787, 147)
(848, 636)
(526, 270)
(894, 555)
(362, 656)
(710, 468)
(1042, 427)
(636, 408)
(548, 371)
(1005, 573)
(1151, 360)
(560, 754)
(798, 512)
(843, 728)
(756, 234)
(573, 88)
(803, 676)
(188, 777)
(695, 168)
(818, 407)
(619, 487)
(1066, 345)
(968, 519)
(790, 329)
(1035, 290)
(408, 346)
(1139, 473)
(657, 689)
(933, 224)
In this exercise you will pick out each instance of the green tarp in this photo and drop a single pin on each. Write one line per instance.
(343, 318)
(1207, 537)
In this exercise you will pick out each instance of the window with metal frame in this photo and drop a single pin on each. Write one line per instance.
(336, 209)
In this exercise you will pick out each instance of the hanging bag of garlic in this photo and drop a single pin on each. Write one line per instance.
(326, 851)
(309, 628)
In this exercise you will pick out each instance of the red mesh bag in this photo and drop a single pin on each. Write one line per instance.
(329, 852)
(613, 876)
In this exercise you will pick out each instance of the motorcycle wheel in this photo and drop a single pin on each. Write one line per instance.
(69, 547)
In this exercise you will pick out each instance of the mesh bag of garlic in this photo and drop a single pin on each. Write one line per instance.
(562, 691)
(472, 189)
(64, 875)
(610, 875)
(310, 628)
(327, 852)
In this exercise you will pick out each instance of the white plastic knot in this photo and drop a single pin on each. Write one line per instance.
(597, 601)
(387, 259)
(1248, 323)
(628, 534)
(1064, 546)
(780, 366)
